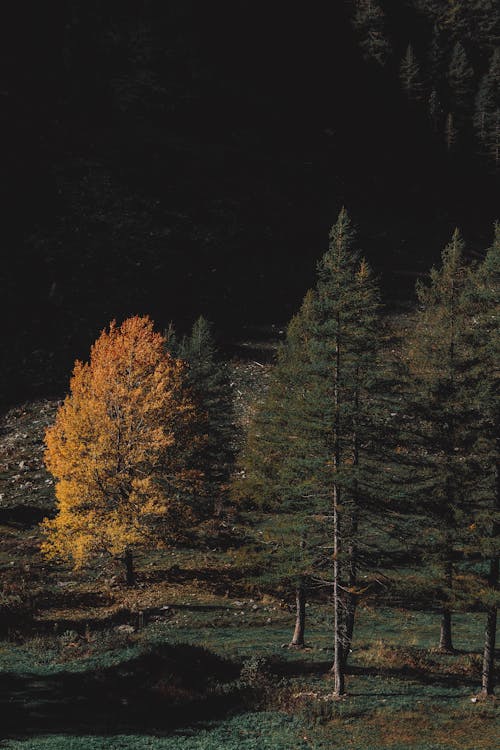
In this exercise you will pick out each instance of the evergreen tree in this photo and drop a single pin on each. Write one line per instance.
(484, 340)
(487, 111)
(435, 112)
(369, 22)
(410, 75)
(444, 417)
(450, 132)
(316, 445)
(209, 379)
(268, 468)
(437, 54)
(461, 82)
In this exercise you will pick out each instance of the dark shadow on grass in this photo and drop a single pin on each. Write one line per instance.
(303, 668)
(169, 687)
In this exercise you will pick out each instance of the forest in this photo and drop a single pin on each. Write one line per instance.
(249, 424)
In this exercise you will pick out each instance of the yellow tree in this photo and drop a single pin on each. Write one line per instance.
(121, 449)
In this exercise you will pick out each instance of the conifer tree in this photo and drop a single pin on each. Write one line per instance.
(119, 449)
(484, 299)
(269, 465)
(437, 53)
(461, 82)
(487, 111)
(435, 112)
(315, 446)
(450, 132)
(210, 382)
(444, 416)
(410, 76)
(369, 22)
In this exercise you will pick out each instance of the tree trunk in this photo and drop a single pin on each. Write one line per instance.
(128, 559)
(351, 602)
(338, 656)
(352, 561)
(300, 618)
(445, 640)
(488, 675)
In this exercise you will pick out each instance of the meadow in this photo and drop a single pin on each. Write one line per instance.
(194, 657)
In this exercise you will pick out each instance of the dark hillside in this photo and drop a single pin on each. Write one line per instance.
(176, 158)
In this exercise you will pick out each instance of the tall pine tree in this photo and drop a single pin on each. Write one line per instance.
(210, 382)
(443, 418)
(315, 446)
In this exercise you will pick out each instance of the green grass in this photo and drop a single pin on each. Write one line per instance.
(402, 692)
(254, 731)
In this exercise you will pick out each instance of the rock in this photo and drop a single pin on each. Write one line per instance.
(255, 607)
(125, 629)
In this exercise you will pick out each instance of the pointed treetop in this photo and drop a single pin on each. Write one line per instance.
(342, 236)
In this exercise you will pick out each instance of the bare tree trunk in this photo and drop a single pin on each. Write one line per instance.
(338, 656)
(351, 600)
(488, 675)
(445, 638)
(128, 560)
(300, 617)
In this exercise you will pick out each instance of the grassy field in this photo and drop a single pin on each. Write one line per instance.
(193, 658)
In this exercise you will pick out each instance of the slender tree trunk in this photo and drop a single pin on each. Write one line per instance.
(128, 560)
(488, 675)
(338, 656)
(300, 617)
(351, 600)
(445, 638)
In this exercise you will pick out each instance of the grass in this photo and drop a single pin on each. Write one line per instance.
(72, 677)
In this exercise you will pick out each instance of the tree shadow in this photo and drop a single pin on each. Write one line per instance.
(169, 687)
(303, 668)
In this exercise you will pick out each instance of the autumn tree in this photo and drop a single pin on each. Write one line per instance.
(121, 449)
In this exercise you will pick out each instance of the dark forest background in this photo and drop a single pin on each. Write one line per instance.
(182, 157)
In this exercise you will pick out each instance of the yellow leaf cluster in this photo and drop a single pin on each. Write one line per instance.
(118, 446)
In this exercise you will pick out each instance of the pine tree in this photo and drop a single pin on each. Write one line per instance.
(269, 468)
(461, 82)
(369, 23)
(410, 76)
(487, 111)
(484, 299)
(209, 379)
(435, 112)
(437, 54)
(315, 441)
(450, 132)
(119, 449)
(444, 416)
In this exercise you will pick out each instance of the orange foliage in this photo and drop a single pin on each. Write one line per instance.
(120, 447)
